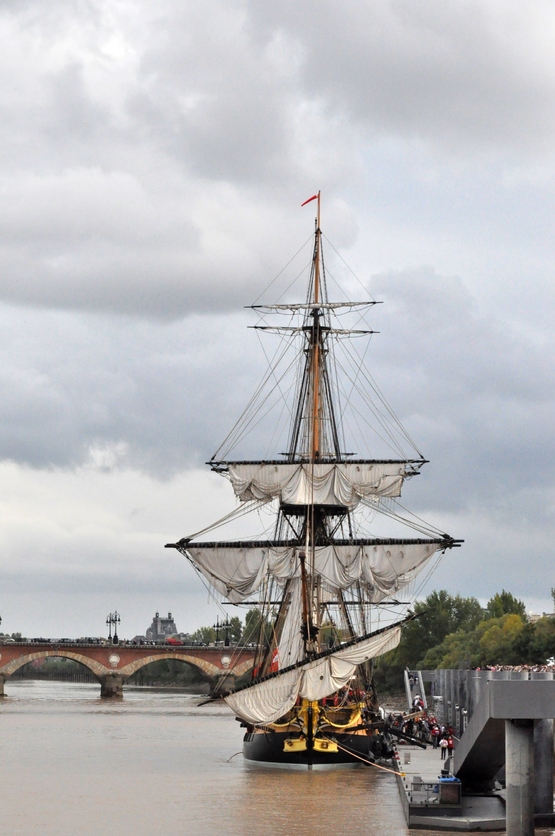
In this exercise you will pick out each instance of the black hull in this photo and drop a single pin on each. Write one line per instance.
(269, 748)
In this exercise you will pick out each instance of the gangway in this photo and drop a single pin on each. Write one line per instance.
(414, 684)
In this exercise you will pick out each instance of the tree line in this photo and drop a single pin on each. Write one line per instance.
(456, 632)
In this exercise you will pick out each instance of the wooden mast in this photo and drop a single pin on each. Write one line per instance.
(315, 452)
(307, 556)
(308, 582)
(307, 570)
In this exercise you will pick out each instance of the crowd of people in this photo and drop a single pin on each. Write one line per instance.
(425, 727)
(519, 668)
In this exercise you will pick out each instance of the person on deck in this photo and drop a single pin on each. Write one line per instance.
(443, 746)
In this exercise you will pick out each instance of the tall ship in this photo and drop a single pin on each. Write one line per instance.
(323, 584)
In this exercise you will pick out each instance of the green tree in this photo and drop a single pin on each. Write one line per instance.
(236, 628)
(456, 650)
(206, 635)
(536, 643)
(505, 603)
(438, 616)
(496, 639)
(257, 628)
(492, 642)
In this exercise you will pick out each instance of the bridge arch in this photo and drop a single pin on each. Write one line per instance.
(220, 678)
(206, 668)
(94, 667)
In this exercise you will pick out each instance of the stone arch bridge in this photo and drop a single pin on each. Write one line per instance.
(114, 664)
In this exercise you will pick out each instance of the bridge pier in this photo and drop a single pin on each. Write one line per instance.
(519, 747)
(2, 683)
(111, 686)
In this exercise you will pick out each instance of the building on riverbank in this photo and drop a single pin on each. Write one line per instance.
(161, 628)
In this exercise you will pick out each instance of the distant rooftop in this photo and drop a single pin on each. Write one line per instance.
(534, 616)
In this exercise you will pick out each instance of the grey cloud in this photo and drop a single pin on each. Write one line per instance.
(477, 393)
(458, 76)
(75, 383)
(155, 157)
(153, 151)
(452, 375)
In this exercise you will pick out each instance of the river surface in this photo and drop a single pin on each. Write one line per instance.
(156, 763)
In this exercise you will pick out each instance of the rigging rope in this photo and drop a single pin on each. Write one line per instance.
(301, 248)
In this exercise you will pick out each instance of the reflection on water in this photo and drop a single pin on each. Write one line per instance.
(157, 763)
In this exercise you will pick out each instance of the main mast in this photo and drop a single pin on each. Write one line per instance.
(311, 612)
(315, 452)
(311, 609)
(318, 446)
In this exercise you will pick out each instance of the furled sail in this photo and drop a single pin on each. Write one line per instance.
(382, 567)
(333, 484)
(267, 701)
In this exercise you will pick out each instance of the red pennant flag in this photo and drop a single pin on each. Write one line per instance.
(314, 197)
(274, 664)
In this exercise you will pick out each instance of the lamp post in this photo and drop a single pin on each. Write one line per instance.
(116, 620)
(217, 627)
(226, 626)
(109, 623)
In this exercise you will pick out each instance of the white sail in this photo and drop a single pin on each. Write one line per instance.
(291, 644)
(239, 571)
(337, 484)
(266, 702)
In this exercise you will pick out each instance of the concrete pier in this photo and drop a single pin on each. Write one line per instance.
(543, 760)
(519, 764)
(111, 686)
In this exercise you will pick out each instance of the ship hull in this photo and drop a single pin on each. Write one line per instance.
(269, 748)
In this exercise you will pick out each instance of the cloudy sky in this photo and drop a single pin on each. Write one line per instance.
(153, 161)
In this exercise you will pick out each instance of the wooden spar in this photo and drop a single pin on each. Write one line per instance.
(308, 582)
(305, 601)
(316, 347)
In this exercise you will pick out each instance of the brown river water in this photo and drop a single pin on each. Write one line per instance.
(156, 763)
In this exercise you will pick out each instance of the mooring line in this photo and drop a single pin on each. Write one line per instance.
(364, 760)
